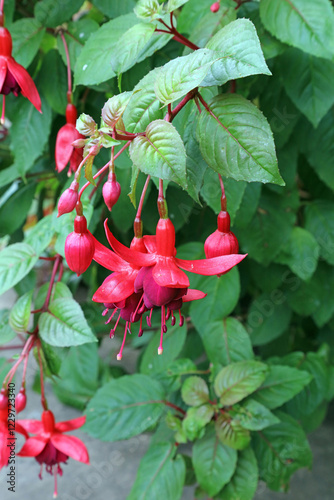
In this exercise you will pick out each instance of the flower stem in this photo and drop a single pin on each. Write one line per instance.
(43, 399)
(223, 196)
(52, 280)
(69, 75)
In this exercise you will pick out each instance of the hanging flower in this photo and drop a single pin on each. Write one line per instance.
(79, 246)
(222, 241)
(50, 446)
(6, 434)
(161, 282)
(13, 77)
(65, 151)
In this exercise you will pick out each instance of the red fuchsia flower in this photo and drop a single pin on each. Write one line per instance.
(161, 280)
(79, 246)
(215, 7)
(222, 241)
(65, 151)
(111, 191)
(68, 199)
(6, 434)
(13, 77)
(50, 446)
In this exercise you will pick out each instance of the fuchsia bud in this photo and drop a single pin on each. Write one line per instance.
(111, 191)
(68, 199)
(215, 7)
(21, 400)
(79, 246)
(222, 241)
(3, 400)
(79, 143)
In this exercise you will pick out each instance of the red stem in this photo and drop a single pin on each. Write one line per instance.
(177, 408)
(142, 197)
(52, 280)
(69, 76)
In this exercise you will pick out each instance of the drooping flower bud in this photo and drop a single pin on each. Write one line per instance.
(68, 199)
(79, 246)
(111, 191)
(21, 400)
(3, 399)
(215, 7)
(79, 143)
(222, 241)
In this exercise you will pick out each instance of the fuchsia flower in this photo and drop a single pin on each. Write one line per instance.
(13, 77)
(222, 241)
(111, 191)
(50, 446)
(79, 246)
(156, 278)
(65, 151)
(6, 434)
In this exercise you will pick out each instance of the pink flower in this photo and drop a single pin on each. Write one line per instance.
(13, 77)
(65, 151)
(160, 280)
(50, 446)
(6, 434)
(111, 191)
(79, 246)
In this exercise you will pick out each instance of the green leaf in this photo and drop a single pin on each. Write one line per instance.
(240, 53)
(195, 421)
(305, 25)
(76, 35)
(20, 313)
(52, 14)
(306, 401)
(54, 88)
(236, 141)
(15, 263)
(181, 366)
(270, 227)
(130, 46)
(159, 472)
(281, 384)
(29, 134)
(148, 10)
(319, 221)
(174, 339)
(6, 333)
(59, 291)
(114, 108)
(91, 67)
(194, 391)
(13, 213)
(214, 463)
(237, 380)
(160, 152)
(175, 4)
(144, 106)
(226, 341)
(253, 416)
(64, 324)
(125, 407)
(308, 83)
(40, 235)
(213, 308)
(78, 375)
(244, 481)
(231, 434)
(116, 7)
(282, 448)
(249, 204)
(268, 317)
(300, 253)
(183, 74)
(27, 36)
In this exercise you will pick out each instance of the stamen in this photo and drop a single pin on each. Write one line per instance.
(105, 312)
(181, 318)
(113, 330)
(163, 328)
(2, 120)
(55, 494)
(168, 314)
(173, 320)
(133, 315)
(141, 331)
(119, 355)
(149, 318)
(111, 317)
(40, 472)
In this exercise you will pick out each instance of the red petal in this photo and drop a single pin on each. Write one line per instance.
(26, 83)
(71, 446)
(4, 449)
(115, 288)
(209, 267)
(3, 70)
(150, 243)
(32, 426)
(166, 273)
(131, 256)
(193, 295)
(109, 259)
(33, 446)
(70, 425)
(64, 148)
